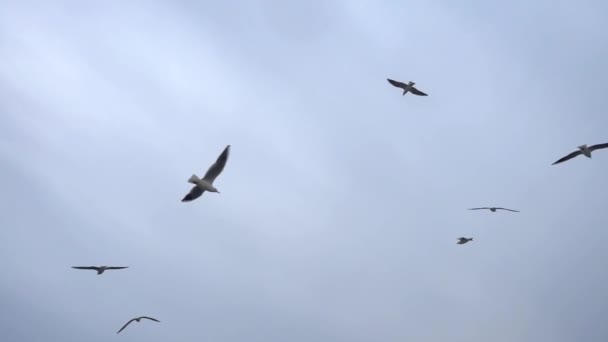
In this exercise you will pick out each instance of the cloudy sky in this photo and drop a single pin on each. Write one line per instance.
(341, 201)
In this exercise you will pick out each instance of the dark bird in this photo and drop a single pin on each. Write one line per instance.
(200, 185)
(493, 209)
(137, 320)
(463, 240)
(584, 150)
(99, 269)
(406, 87)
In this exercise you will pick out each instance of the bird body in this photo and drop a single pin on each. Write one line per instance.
(463, 240)
(202, 184)
(584, 150)
(206, 183)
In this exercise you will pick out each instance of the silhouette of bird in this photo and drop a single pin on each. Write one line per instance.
(137, 320)
(584, 150)
(406, 87)
(493, 209)
(463, 240)
(200, 185)
(99, 269)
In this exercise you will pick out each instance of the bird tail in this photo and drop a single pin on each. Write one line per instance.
(194, 179)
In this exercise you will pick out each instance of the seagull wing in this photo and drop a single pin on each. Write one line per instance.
(86, 268)
(194, 193)
(479, 208)
(124, 326)
(218, 166)
(515, 211)
(570, 156)
(597, 147)
(116, 267)
(150, 318)
(397, 83)
(417, 92)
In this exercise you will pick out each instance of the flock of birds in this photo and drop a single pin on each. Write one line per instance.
(200, 185)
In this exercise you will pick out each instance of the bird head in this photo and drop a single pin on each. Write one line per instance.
(583, 147)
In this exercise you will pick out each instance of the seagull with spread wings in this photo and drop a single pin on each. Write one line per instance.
(137, 320)
(99, 269)
(206, 184)
(584, 150)
(463, 240)
(406, 87)
(493, 209)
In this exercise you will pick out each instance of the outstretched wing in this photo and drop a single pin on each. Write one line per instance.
(116, 267)
(515, 211)
(86, 268)
(568, 157)
(124, 326)
(218, 166)
(417, 92)
(597, 147)
(194, 193)
(479, 208)
(150, 318)
(396, 83)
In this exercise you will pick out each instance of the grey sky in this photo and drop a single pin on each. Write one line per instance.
(341, 201)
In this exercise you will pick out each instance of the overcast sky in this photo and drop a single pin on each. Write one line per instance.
(341, 201)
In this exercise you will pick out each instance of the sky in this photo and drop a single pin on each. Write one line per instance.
(341, 201)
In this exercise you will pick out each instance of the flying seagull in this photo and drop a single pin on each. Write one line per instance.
(584, 150)
(99, 269)
(137, 320)
(200, 185)
(463, 240)
(406, 87)
(493, 209)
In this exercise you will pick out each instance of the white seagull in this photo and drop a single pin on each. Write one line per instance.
(99, 269)
(200, 185)
(137, 320)
(463, 240)
(493, 209)
(584, 150)
(406, 87)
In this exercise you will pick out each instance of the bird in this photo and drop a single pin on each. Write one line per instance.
(99, 269)
(584, 150)
(493, 209)
(463, 240)
(406, 87)
(200, 185)
(137, 320)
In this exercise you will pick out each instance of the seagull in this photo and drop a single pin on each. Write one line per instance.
(463, 240)
(493, 209)
(137, 320)
(406, 87)
(200, 185)
(584, 150)
(99, 269)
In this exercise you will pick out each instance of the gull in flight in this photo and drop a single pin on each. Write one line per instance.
(463, 240)
(137, 320)
(200, 185)
(99, 269)
(406, 87)
(584, 150)
(493, 209)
